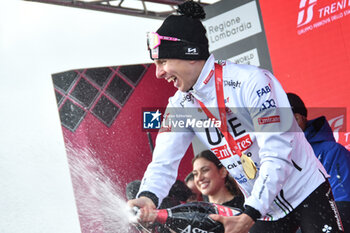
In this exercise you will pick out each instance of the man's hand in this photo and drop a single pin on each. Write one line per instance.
(147, 209)
(234, 224)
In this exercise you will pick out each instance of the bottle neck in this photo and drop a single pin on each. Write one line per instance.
(225, 211)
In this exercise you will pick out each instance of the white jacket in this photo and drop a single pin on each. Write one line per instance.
(260, 120)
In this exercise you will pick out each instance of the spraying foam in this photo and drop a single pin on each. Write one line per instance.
(101, 204)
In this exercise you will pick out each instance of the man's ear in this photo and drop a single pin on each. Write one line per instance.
(301, 120)
(297, 116)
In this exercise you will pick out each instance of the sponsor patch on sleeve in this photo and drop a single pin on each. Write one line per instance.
(269, 120)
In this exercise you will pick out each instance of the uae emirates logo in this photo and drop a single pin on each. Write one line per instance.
(306, 12)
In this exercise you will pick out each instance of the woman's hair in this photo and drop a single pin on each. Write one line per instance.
(189, 177)
(230, 183)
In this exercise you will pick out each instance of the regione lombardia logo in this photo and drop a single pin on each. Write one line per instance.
(306, 11)
(152, 120)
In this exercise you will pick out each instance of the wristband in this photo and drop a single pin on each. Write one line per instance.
(150, 195)
(251, 212)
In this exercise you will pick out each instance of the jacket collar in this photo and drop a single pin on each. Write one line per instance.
(204, 88)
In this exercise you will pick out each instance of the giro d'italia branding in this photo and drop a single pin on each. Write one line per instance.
(232, 26)
(314, 14)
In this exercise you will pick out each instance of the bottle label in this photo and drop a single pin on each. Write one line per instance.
(162, 216)
(224, 211)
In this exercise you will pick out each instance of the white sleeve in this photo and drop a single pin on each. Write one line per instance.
(170, 148)
(273, 122)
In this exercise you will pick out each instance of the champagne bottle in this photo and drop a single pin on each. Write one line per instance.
(194, 217)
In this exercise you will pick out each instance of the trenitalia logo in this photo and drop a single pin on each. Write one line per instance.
(306, 12)
(314, 14)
